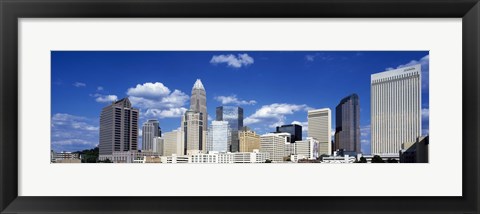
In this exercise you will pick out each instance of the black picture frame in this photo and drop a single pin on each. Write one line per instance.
(12, 10)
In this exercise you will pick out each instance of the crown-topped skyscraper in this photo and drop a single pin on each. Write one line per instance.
(198, 101)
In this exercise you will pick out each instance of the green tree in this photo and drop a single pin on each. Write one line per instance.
(362, 160)
(377, 159)
(392, 160)
(268, 161)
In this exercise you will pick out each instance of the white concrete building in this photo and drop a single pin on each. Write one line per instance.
(396, 115)
(158, 145)
(172, 143)
(307, 148)
(274, 145)
(227, 157)
(339, 159)
(320, 127)
(175, 159)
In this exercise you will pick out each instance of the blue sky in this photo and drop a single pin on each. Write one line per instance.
(273, 87)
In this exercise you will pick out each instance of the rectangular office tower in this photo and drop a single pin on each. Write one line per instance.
(347, 124)
(319, 127)
(150, 130)
(219, 136)
(396, 116)
(118, 128)
(193, 139)
(234, 116)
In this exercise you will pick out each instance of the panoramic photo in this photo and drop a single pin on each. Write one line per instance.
(239, 107)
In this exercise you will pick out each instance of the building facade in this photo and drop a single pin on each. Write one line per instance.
(307, 148)
(274, 145)
(319, 127)
(396, 115)
(172, 142)
(118, 128)
(158, 145)
(347, 124)
(219, 136)
(193, 132)
(248, 140)
(150, 130)
(295, 131)
(234, 116)
(198, 102)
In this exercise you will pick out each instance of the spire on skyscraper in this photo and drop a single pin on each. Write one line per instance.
(198, 85)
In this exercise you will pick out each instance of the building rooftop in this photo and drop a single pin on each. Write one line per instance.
(198, 85)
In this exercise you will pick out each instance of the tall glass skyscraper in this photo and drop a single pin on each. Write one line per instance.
(234, 116)
(118, 128)
(150, 130)
(347, 124)
(396, 116)
(219, 136)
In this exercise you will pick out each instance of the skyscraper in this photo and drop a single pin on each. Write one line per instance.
(150, 130)
(319, 127)
(294, 130)
(193, 139)
(248, 140)
(396, 115)
(118, 128)
(219, 136)
(198, 101)
(347, 124)
(234, 116)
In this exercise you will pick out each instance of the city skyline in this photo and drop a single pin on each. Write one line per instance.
(265, 109)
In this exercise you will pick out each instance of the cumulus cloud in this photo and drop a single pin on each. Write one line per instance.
(79, 84)
(424, 62)
(232, 60)
(99, 88)
(232, 99)
(100, 98)
(274, 114)
(72, 133)
(157, 100)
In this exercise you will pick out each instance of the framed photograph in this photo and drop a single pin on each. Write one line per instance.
(239, 106)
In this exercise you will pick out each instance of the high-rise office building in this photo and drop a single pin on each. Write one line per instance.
(193, 134)
(295, 131)
(118, 128)
(150, 130)
(158, 145)
(172, 143)
(198, 101)
(347, 124)
(234, 116)
(218, 136)
(307, 148)
(319, 127)
(274, 145)
(248, 140)
(396, 115)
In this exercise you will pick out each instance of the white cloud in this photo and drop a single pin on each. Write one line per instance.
(232, 60)
(303, 124)
(72, 133)
(425, 113)
(79, 84)
(274, 114)
(232, 99)
(365, 131)
(424, 62)
(105, 98)
(157, 100)
(167, 113)
(99, 88)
